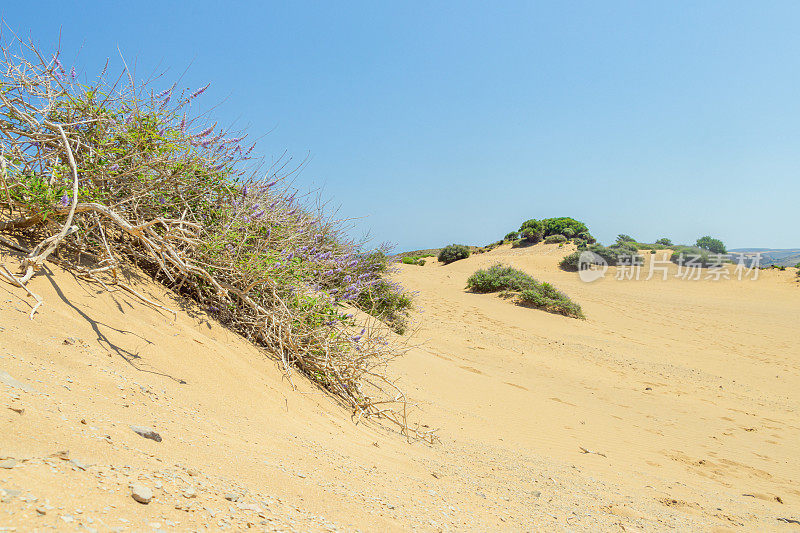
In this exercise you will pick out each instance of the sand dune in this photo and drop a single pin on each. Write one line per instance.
(685, 393)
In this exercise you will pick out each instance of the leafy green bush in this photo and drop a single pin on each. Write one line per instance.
(571, 262)
(529, 292)
(532, 231)
(586, 236)
(453, 252)
(500, 278)
(556, 226)
(621, 238)
(664, 242)
(554, 239)
(568, 232)
(512, 236)
(550, 299)
(711, 244)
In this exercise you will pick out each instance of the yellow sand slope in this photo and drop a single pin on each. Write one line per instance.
(685, 393)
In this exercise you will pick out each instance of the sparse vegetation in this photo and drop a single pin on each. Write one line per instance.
(526, 289)
(614, 255)
(111, 173)
(408, 260)
(415, 259)
(453, 252)
(693, 255)
(664, 242)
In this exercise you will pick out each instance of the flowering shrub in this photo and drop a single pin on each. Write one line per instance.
(112, 172)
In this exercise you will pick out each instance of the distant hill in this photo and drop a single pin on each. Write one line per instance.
(770, 256)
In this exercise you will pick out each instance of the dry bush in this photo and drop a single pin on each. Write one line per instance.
(109, 171)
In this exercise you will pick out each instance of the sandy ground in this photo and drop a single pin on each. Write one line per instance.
(685, 392)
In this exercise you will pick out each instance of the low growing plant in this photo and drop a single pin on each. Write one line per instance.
(555, 239)
(528, 292)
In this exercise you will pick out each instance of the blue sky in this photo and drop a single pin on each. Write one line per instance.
(449, 122)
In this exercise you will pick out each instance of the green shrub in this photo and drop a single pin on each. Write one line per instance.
(512, 236)
(697, 256)
(613, 255)
(384, 299)
(553, 239)
(550, 299)
(500, 278)
(652, 251)
(586, 236)
(568, 232)
(580, 243)
(530, 293)
(570, 262)
(664, 242)
(453, 252)
(556, 226)
(622, 238)
(711, 244)
(532, 231)
(413, 260)
(618, 253)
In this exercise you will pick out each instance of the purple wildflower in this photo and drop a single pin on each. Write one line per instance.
(73, 73)
(206, 132)
(64, 202)
(58, 64)
(162, 94)
(183, 123)
(198, 92)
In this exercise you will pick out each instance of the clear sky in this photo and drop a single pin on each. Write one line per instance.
(454, 121)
